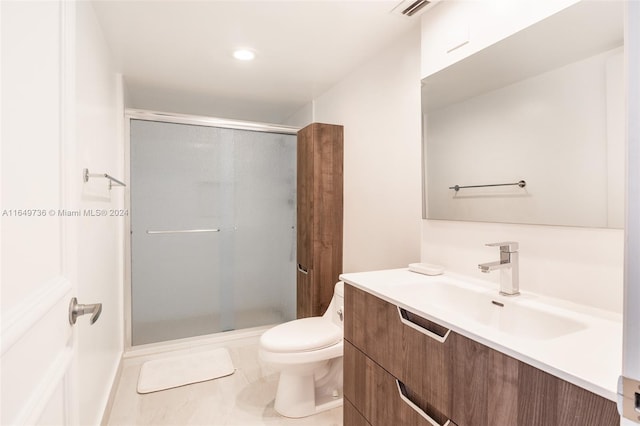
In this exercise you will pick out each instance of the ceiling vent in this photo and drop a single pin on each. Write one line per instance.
(410, 8)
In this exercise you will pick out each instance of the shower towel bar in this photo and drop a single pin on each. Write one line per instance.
(86, 175)
(521, 184)
(182, 231)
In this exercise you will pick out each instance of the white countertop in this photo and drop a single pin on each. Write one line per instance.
(590, 357)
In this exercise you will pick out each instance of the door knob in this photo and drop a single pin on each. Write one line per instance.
(76, 309)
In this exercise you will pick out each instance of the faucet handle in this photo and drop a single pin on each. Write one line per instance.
(506, 246)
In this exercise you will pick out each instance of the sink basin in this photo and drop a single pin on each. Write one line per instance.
(524, 321)
(516, 316)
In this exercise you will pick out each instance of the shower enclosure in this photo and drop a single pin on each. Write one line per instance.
(213, 236)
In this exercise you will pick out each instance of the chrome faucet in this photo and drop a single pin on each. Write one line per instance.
(508, 265)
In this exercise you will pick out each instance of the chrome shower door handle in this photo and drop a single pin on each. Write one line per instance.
(76, 309)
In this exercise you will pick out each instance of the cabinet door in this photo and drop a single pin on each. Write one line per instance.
(492, 389)
(381, 398)
(545, 400)
(457, 29)
(409, 347)
(304, 223)
(327, 217)
(304, 215)
(485, 385)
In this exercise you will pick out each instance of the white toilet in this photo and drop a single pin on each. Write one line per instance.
(308, 354)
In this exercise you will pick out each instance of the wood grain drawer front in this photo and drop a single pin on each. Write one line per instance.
(412, 349)
(352, 417)
(485, 385)
(381, 398)
(493, 389)
(544, 399)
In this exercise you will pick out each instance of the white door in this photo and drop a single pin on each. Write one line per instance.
(38, 249)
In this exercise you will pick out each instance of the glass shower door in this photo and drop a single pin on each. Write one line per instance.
(213, 229)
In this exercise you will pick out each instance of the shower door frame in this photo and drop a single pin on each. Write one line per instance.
(165, 117)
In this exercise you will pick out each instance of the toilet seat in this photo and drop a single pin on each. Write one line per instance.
(307, 334)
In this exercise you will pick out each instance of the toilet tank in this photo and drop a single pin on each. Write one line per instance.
(335, 311)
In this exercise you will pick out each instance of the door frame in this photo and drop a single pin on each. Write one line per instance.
(631, 310)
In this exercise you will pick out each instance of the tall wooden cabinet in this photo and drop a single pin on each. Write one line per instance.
(320, 201)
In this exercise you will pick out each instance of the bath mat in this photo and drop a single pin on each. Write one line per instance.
(171, 372)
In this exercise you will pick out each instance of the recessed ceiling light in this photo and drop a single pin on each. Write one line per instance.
(244, 55)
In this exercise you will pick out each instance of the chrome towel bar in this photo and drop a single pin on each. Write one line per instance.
(86, 175)
(182, 231)
(521, 184)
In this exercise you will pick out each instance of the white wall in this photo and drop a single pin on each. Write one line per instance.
(100, 274)
(583, 265)
(151, 97)
(301, 117)
(379, 105)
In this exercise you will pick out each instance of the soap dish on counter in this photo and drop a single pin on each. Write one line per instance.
(426, 268)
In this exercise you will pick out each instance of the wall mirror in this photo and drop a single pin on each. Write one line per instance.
(544, 106)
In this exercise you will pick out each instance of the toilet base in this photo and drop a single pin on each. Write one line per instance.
(302, 395)
(296, 397)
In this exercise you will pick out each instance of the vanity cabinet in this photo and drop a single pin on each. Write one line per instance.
(319, 216)
(402, 369)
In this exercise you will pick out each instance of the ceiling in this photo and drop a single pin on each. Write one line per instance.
(177, 55)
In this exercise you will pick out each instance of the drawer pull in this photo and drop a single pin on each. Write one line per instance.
(403, 396)
(439, 335)
(302, 269)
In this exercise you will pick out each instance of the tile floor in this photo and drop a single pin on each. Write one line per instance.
(244, 398)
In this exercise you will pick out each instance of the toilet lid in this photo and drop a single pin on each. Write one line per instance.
(301, 335)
